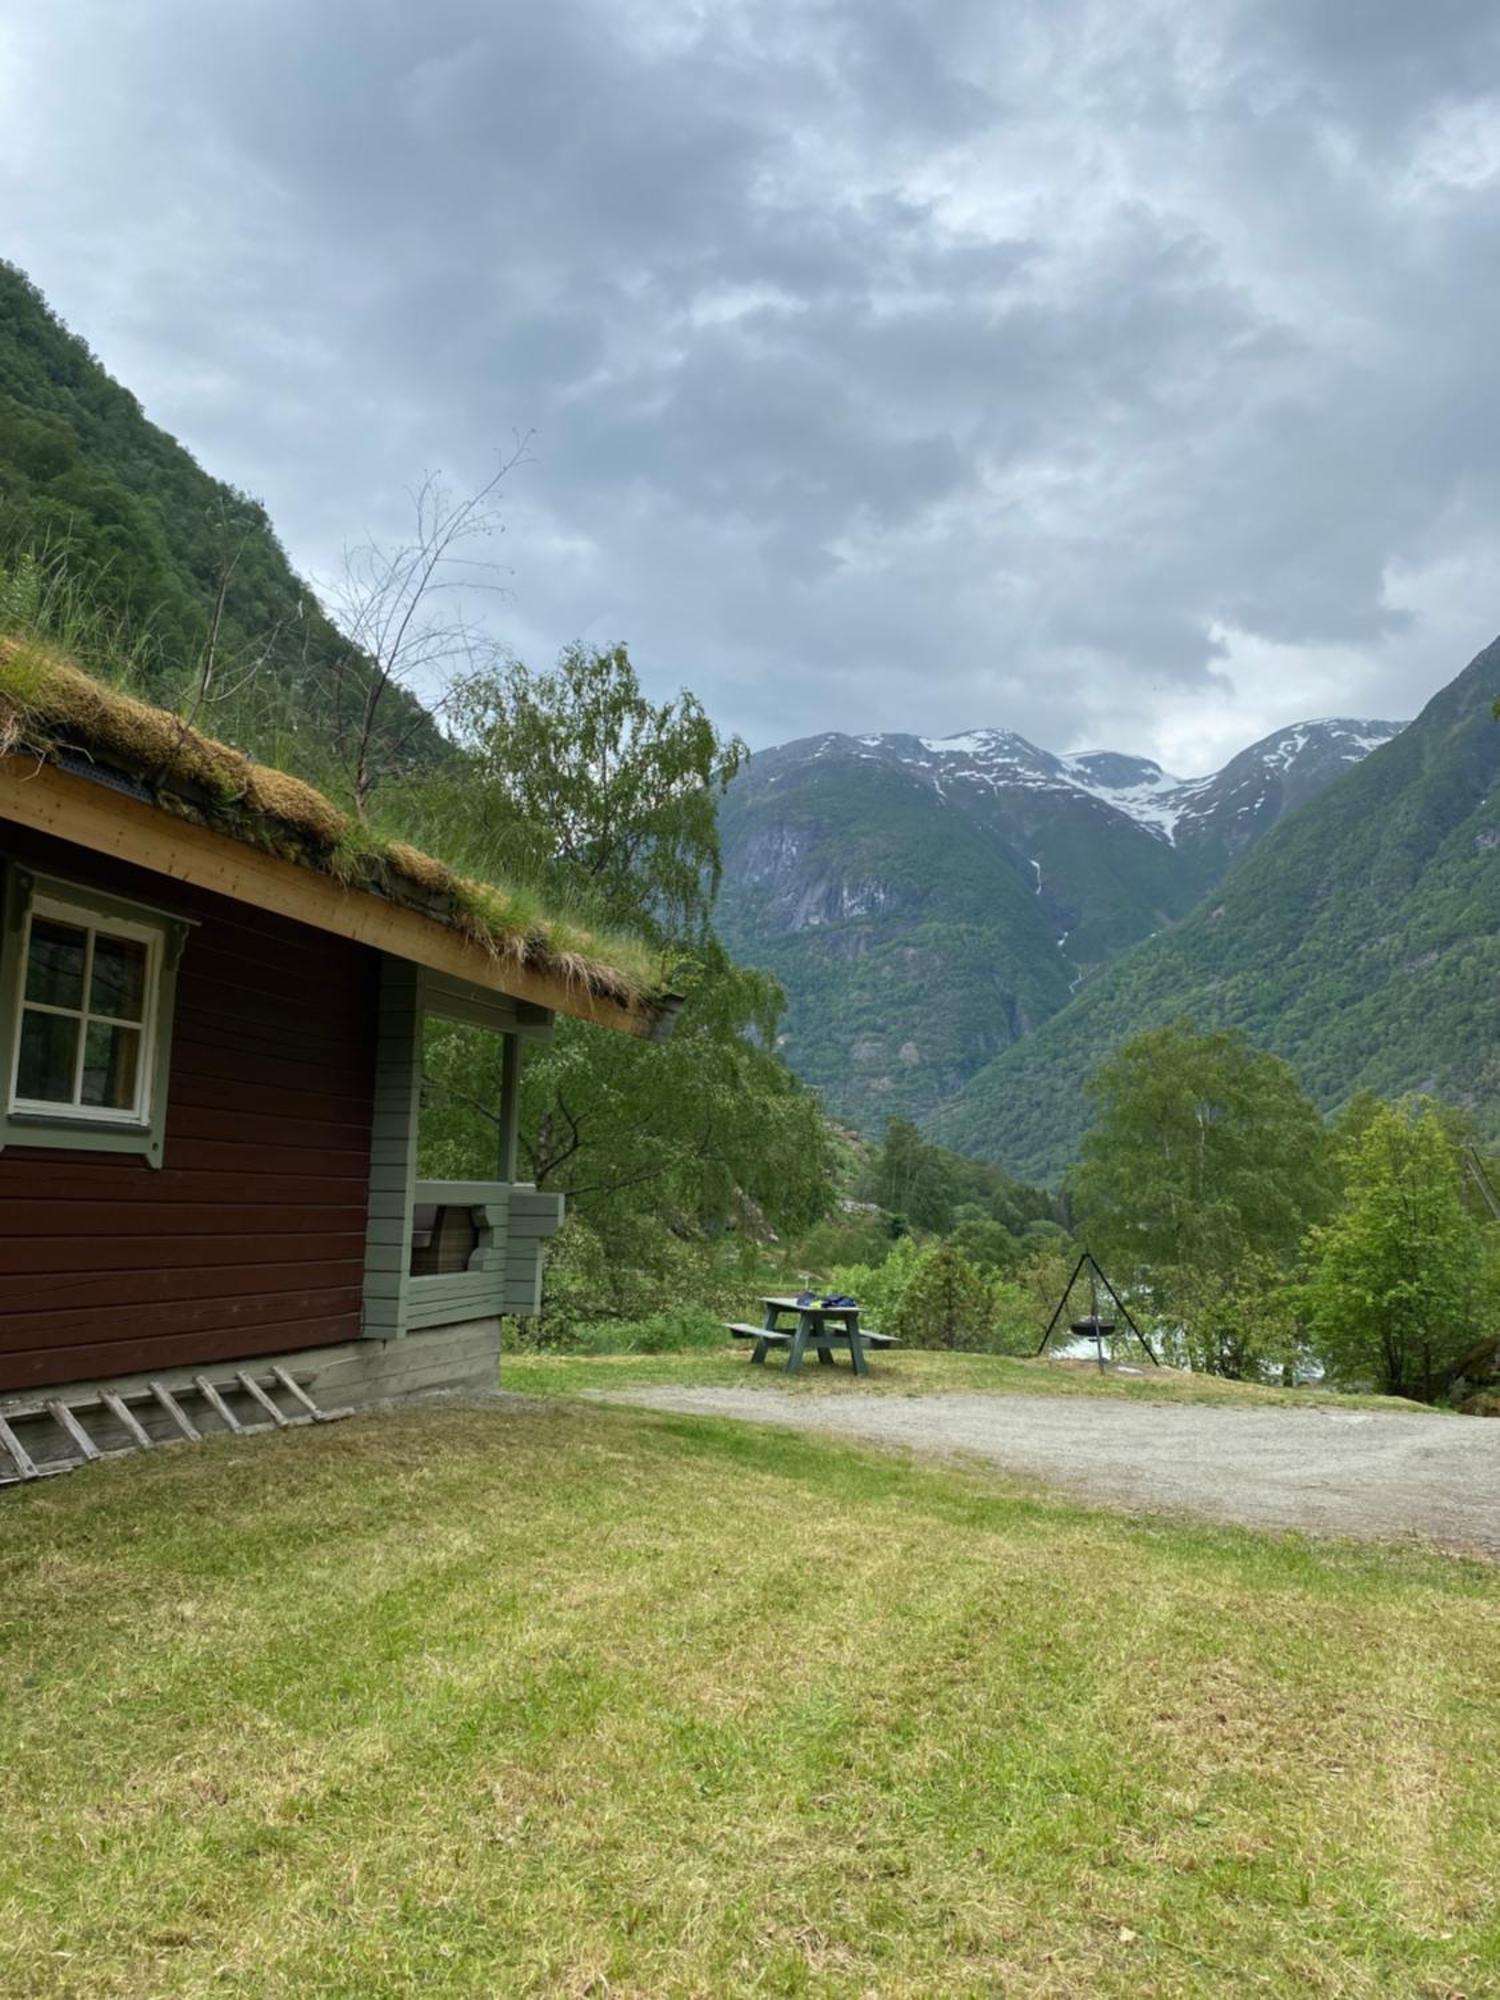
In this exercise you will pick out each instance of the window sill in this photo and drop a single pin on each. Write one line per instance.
(80, 1135)
(79, 1121)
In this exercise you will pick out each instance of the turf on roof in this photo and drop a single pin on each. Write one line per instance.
(48, 707)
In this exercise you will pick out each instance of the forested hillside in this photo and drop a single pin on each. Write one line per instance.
(155, 547)
(1360, 940)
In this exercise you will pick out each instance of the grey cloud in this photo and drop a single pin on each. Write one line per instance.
(1380, 63)
(889, 363)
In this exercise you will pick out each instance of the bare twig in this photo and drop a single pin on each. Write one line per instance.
(386, 606)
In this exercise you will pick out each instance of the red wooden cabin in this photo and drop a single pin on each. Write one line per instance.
(210, 1068)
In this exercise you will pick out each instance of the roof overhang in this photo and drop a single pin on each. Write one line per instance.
(106, 821)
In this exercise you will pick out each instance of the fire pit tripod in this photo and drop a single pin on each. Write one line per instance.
(1095, 1327)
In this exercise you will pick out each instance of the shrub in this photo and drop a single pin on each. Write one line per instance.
(879, 1288)
(988, 1244)
(947, 1303)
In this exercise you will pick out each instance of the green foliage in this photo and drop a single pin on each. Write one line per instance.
(843, 1239)
(949, 1303)
(679, 1330)
(1049, 1263)
(1350, 1123)
(914, 1180)
(42, 600)
(1200, 1177)
(986, 1243)
(1396, 1292)
(928, 1187)
(1360, 940)
(674, 1330)
(936, 1297)
(997, 1309)
(575, 777)
(881, 1287)
(1242, 1321)
(601, 1284)
(704, 1132)
(1204, 1151)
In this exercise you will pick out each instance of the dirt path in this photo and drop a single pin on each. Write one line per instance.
(1337, 1472)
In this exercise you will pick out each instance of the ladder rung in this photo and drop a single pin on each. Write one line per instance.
(176, 1412)
(25, 1464)
(125, 1419)
(64, 1417)
(253, 1389)
(217, 1404)
(295, 1389)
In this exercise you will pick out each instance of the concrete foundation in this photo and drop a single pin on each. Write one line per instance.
(358, 1374)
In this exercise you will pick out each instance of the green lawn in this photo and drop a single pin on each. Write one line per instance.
(910, 1372)
(580, 1700)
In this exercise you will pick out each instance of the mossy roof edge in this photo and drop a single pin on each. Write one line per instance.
(50, 708)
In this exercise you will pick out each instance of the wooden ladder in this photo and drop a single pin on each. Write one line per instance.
(65, 1413)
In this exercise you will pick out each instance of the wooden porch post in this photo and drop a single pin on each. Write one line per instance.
(510, 1106)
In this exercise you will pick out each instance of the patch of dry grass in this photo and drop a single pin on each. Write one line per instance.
(537, 1700)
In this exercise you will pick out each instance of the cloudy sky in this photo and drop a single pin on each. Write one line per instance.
(1120, 371)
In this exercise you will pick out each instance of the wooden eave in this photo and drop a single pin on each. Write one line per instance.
(91, 815)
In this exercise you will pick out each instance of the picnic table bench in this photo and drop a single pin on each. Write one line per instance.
(820, 1327)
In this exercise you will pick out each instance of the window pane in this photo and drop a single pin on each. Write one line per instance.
(118, 986)
(49, 1044)
(111, 1059)
(54, 963)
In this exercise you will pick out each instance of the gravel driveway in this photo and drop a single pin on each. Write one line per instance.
(1336, 1472)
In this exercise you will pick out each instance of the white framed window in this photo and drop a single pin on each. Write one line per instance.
(88, 993)
(85, 1039)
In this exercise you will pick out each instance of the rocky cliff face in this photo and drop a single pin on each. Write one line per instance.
(783, 864)
(929, 901)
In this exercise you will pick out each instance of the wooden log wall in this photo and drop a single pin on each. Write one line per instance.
(250, 1239)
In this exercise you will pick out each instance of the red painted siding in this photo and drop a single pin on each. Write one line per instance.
(250, 1237)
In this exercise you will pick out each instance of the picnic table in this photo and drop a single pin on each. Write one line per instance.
(818, 1326)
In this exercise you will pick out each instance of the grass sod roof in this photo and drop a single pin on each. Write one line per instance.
(50, 708)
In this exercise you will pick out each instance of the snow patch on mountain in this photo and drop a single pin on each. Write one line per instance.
(1136, 787)
(1229, 802)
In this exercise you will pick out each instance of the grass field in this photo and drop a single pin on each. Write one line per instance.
(911, 1372)
(549, 1699)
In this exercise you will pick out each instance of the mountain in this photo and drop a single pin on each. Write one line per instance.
(1224, 815)
(928, 902)
(1360, 939)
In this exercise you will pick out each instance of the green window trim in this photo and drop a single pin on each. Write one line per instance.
(64, 1130)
